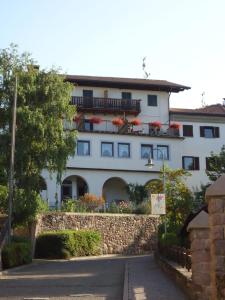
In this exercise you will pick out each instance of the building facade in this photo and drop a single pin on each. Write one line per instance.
(122, 122)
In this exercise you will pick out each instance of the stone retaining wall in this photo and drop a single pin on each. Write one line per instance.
(121, 233)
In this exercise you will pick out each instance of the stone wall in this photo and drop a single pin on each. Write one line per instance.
(121, 233)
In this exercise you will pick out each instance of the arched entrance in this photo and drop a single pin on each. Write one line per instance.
(115, 189)
(73, 187)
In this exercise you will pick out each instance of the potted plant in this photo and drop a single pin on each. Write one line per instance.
(174, 128)
(95, 120)
(135, 122)
(118, 122)
(156, 124)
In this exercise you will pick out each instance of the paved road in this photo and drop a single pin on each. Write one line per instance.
(83, 279)
(89, 279)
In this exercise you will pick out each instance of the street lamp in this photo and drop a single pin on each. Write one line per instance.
(150, 164)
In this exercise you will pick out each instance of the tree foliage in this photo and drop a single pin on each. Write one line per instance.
(216, 165)
(137, 192)
(43, 103)
(179, 199)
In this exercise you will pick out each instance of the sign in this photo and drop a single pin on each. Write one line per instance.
(158, 204)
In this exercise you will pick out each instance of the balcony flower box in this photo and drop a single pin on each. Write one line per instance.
(95, 120)
(135, 122)
(118, 122)
(175, 125)
(156, 124)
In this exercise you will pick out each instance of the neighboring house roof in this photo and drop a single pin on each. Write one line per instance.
(210, 110)
(128, 83)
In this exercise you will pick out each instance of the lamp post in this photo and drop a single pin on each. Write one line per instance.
(150, 164)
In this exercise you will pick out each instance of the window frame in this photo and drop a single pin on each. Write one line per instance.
(168, 153)
(126, 93)
(89, 147)
(215, 131)
(118, 152)
(155, 97)
(191, 131)
(151, 152)
(196, 163)
(111, 143)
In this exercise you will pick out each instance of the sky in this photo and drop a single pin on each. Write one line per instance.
(183, 40)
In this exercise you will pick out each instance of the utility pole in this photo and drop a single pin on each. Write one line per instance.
(12, 160)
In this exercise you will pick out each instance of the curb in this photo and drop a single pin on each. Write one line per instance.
(18, 268)
(126, 283)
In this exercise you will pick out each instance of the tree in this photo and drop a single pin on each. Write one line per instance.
(137, 192)
(179, 199)
(216, 165)
(43, 104)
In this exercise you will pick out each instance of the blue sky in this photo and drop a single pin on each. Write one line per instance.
(183, 40)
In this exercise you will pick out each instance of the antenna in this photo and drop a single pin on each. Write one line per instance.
(203, 99)
(146, 74)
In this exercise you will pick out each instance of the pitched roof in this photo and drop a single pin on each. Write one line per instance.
(210, 110)
(130, 83)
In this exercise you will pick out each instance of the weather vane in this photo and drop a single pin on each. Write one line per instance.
(146, 74)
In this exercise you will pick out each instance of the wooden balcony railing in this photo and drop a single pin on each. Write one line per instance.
(109, 105)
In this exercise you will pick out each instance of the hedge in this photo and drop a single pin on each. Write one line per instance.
(16, 253)
(67, 243)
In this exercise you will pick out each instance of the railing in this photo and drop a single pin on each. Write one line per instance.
(106, 104)
(106, 126)
(177, 254)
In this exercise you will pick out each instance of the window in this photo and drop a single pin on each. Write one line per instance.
(162, 152)
(87, 93)
(188, 130)
(209, 132)
(107, 149)
(123, 150)
(83, 148)
(152, 100)
(88, 126)
(126, 95)
(190, 163)
(88, 98)
(146, 151)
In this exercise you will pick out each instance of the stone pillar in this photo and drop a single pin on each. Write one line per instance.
(215, 196)
(200, 255)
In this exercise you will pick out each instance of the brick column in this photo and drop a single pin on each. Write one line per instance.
(215, 195)
(200, 256)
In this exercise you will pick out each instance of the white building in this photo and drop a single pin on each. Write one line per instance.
(109, 156)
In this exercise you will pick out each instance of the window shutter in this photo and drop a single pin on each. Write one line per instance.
(196, 166)
(202, 131)
(183, 162)
(216, 132)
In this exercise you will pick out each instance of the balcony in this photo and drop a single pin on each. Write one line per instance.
(106, 105)
(106, 126)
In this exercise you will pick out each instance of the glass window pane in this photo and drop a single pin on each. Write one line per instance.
(146, 151)
(188, 163)
(83, 148)
(162, 152)
(107, 149)
(208, 132)
(123, 150)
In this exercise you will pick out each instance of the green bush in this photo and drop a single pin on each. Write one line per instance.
(169, 239)
(68, 205)
(143, 208)
(16, 253)
(67, 243)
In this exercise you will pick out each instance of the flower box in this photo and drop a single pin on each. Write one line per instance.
(118, 122)
(135, 122)
(156, 124)
(175, 125)
(95, 120)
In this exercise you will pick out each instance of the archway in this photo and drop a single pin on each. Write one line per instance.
(115, 189)
(73, 187)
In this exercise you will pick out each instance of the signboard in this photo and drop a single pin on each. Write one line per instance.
(158, 204)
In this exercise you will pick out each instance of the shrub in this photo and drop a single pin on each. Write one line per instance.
(169, 239)
(92, 201)
(16, 253)
(113, 208)
(143, 208)
(125, 207)
(67, 243)
(68, 205)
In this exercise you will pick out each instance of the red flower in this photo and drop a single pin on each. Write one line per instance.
(156, 124)
(95, 120)
(77, 119)
(175, 125)
(135, 122)
(118, 121)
